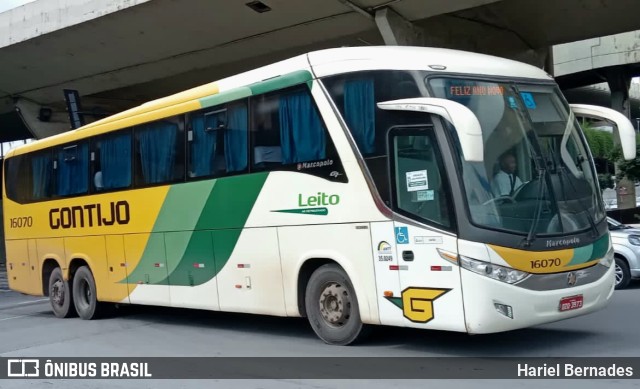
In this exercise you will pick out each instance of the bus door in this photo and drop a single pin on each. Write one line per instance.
(429, 282)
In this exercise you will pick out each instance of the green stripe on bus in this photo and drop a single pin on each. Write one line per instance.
(270, 85)
(183, 206)
(203, 253)
(595, 250)
(600, 247)
(231, 201)
(281, 82)
(225, 97)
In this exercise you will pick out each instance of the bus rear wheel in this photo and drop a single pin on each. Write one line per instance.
(60, 295)
(332, 306)
(84, 294)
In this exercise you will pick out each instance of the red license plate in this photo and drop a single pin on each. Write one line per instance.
(569, 303)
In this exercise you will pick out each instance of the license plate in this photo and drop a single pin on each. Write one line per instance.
(569, 303)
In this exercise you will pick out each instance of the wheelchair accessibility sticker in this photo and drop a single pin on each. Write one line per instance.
(402, 235)
(529, 101)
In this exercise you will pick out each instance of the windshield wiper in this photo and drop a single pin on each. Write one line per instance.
(542, 173)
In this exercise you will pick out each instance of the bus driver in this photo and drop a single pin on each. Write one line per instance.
(506, 182)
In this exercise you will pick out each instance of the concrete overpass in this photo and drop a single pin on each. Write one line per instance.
(613, 60)
(118, 53)
(599, 71)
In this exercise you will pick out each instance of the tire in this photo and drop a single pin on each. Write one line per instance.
(61, 295)
(84, 294)
(332, 306)
(623, 275)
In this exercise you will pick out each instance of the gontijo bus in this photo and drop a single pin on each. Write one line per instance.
(352, 186)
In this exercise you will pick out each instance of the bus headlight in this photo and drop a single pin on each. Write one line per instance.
(607, 260)
(500, 273)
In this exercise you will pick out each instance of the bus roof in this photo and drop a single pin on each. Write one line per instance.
(341, 60)
(322, 63)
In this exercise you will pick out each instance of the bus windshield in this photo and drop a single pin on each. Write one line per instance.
(537, 177)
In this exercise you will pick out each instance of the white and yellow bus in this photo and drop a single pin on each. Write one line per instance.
(400, 186)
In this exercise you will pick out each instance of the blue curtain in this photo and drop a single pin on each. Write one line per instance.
(203, 145)
(157, 151)
(115, 161)
(359, 113)
(73, 170)
(41, 167)
(301, 131)
(235, 138)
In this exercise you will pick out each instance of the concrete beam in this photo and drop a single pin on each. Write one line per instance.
(396, 30)
(457, 33)
(29, 111)
(44, 16)
(597, 53)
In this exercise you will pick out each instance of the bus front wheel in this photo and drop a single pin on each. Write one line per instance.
(332, 306)
(60, 295)
(84, 294)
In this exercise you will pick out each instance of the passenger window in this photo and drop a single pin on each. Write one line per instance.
(286, 129)
(111, 156)
(29, 177)
(71, 166)
(39, 167)
(422, 188)
(355, 95)
(159, 152)
(218, 141)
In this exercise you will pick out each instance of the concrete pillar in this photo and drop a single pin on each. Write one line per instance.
(619, 83)
(396, 30)
(30, 114)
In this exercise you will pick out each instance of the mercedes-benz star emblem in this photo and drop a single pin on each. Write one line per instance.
(572, 279)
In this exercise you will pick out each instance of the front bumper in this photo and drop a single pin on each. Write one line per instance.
(529, 307)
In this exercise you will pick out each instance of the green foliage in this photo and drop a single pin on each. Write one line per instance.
(600, 142)
(606, 181)
(602, 146)
(630, 169)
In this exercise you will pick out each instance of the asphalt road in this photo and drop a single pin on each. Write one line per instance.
(28, 328)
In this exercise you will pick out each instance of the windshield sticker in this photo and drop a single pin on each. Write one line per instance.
(417, 180)
(424, 195)
(529, 102)
(512, 103)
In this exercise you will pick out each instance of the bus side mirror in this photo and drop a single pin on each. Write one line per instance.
(462, 118)
(622, 128)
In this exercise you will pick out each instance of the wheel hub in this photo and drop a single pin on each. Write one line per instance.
(87, 292)
(619, 274)
(57, 292)
(335, 304)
